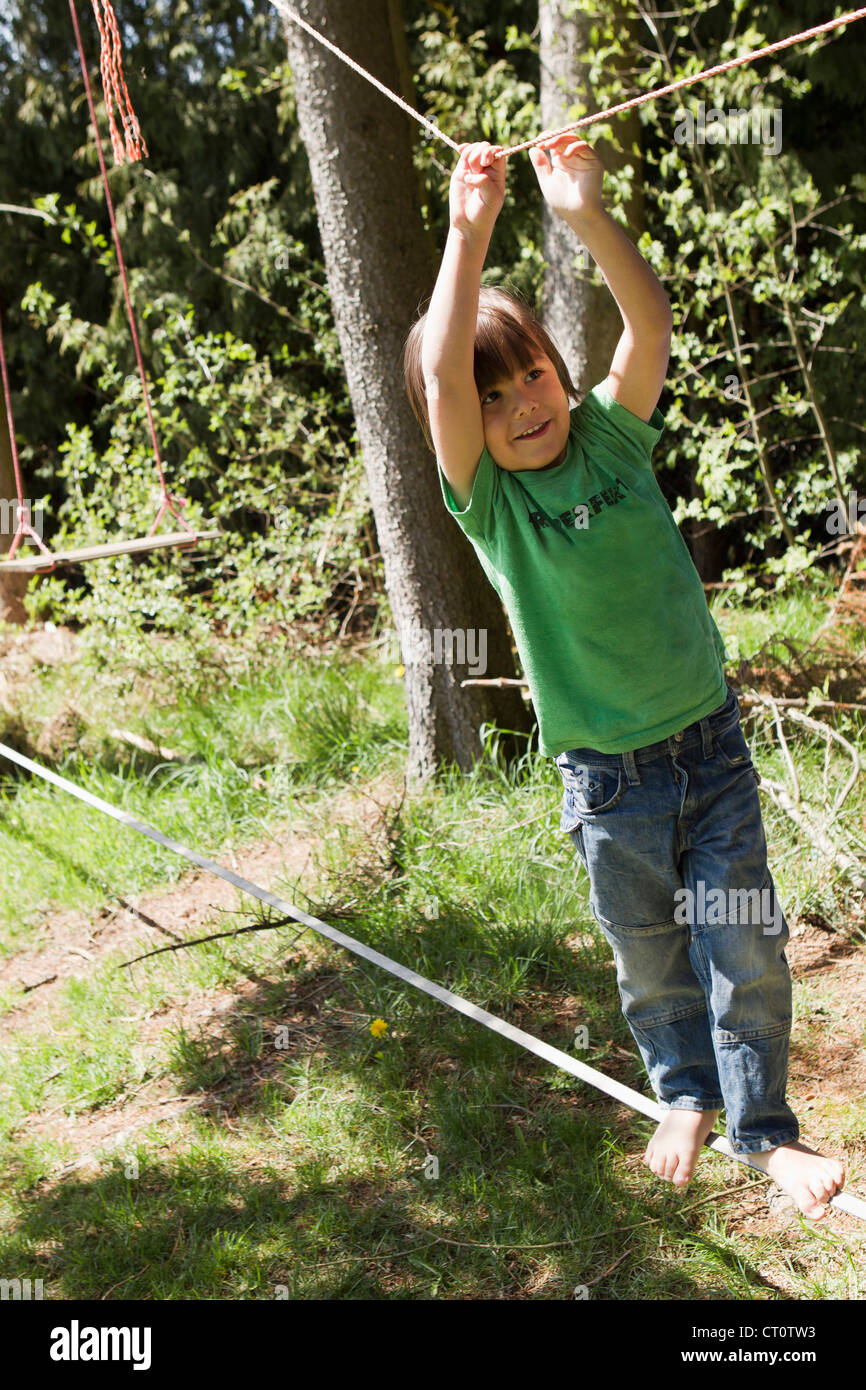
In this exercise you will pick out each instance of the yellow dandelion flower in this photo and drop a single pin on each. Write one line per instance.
(378, 1027)
(399, 671)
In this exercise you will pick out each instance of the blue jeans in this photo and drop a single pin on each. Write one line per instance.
(672, 839)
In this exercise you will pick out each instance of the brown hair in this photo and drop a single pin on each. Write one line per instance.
(508, 338)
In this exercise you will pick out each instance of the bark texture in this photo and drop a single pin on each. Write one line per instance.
(381, 266)
(583, 317)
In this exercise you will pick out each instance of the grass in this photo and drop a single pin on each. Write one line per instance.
(255, 748)
(311, 1159)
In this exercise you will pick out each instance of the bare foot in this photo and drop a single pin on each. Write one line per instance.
(673, 1150)
(804, 1174)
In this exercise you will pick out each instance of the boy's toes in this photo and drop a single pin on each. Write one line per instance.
(655, 1160)
(824, 1185)
(812, 1197)
(810, 1203)
(684, 1172)
(670, 1167)
(658, 1162)
(824, 1188)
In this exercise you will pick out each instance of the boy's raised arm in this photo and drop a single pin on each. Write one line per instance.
(571, 184)
(448, 349)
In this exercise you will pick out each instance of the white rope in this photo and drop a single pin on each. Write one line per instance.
(855, 1206)
(289, 12)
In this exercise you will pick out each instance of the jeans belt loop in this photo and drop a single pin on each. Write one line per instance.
(631, 771)
(706, 737)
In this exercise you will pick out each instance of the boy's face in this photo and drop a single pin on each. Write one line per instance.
(526, 418)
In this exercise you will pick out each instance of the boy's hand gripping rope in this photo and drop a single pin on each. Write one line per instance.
(289, 12)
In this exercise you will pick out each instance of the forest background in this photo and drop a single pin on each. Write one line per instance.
(263, 1115)
(763, 256)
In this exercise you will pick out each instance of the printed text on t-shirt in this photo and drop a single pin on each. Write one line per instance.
(579, 515)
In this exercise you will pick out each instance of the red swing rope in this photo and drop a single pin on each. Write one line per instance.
(115, 86)
(131, 146)
(23, 524)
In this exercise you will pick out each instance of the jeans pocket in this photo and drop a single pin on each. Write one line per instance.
(589, 790)
(732, 748)
(577, 841)
(568, 817)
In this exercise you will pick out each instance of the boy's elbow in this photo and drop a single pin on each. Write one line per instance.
(665, 319)
(439, 385)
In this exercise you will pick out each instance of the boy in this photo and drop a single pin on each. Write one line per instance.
(625, 667)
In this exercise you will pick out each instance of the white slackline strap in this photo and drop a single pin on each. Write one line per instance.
(633, 1099)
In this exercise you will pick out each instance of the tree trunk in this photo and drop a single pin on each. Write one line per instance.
(583, 317)
(12, 586)
(381, 265)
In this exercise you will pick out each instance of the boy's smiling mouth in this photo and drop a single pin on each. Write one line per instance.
(535, 432)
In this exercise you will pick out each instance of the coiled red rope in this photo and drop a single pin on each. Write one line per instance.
(114, 86)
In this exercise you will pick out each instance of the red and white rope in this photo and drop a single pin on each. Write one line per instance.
(689, 81)
(291, 13)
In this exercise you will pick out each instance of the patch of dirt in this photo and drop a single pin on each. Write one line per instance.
(844, 673)
(813, 946)
(830, 657)
(22, 655)
(21, 651)
(157, 1099)
(75, 942)
(816, 954)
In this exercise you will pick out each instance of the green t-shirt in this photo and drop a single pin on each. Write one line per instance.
(606, 606)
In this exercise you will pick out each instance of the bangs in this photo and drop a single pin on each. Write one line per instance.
(503, 346)
(509, 338)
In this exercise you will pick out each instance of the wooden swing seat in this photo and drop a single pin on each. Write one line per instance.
(36, 561)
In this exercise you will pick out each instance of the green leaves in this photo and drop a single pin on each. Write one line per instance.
(758, 252)
(258, 461)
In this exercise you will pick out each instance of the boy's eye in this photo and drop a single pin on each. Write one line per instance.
(489, 398)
